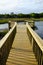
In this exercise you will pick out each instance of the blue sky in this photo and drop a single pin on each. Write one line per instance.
(21, 6)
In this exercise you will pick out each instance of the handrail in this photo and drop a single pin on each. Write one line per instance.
(6, 43)
(36, 37)
(37, 44)
(31, 23)
(6, 36)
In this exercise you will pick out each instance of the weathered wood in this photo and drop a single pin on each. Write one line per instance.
(5, 44)
(37, 44)
(31, 23)
(21, 52)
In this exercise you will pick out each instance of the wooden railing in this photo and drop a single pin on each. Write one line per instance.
(6, 43)
(31, 23)
(37, 44)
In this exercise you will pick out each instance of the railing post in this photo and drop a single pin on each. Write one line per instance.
(9, 25)
(38, 53)
(5, 44)
(42, 59)
(36, 44)
(29, 35)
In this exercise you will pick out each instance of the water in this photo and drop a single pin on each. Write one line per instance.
(21, 23)
(38, 24)
(39, 30)
(4, 26)
(39, 27)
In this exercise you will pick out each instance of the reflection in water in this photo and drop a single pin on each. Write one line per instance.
(38, 24)
(38, 27)
(21, 23)
(39, 30)
(3, 29)
(4, 26)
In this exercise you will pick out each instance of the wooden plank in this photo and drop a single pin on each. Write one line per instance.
(21, 52)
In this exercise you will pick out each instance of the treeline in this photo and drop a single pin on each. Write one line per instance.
(12, 15)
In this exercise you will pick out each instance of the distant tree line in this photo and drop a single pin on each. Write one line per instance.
(31, 15)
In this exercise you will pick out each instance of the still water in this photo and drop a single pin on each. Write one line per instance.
(4, 26)
(21, 23)
(39, 27)
(39, 30)
(38, 24)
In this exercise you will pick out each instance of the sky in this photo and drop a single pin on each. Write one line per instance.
(21, 6)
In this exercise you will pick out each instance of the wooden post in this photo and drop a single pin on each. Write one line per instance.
(9, 24)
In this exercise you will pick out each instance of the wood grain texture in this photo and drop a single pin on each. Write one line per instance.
(21, 52)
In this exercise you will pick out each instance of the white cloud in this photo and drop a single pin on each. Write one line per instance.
(39, 1)
(8, 3)
(20, 5)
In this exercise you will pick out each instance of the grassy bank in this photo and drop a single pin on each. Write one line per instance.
(25, 19)
(2, 21)
(41, 19)
(2, 34)
(29, 19)
(6, 20)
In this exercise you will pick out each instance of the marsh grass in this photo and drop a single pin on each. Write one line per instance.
(6, 20)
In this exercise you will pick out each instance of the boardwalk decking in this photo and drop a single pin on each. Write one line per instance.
(21, 52)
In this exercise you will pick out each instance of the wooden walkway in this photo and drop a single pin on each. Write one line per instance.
(21, 52)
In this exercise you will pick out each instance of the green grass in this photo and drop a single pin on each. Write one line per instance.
(2, 21)
(28, 19)
(41, 19)
(6, 20)
(3, 32)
